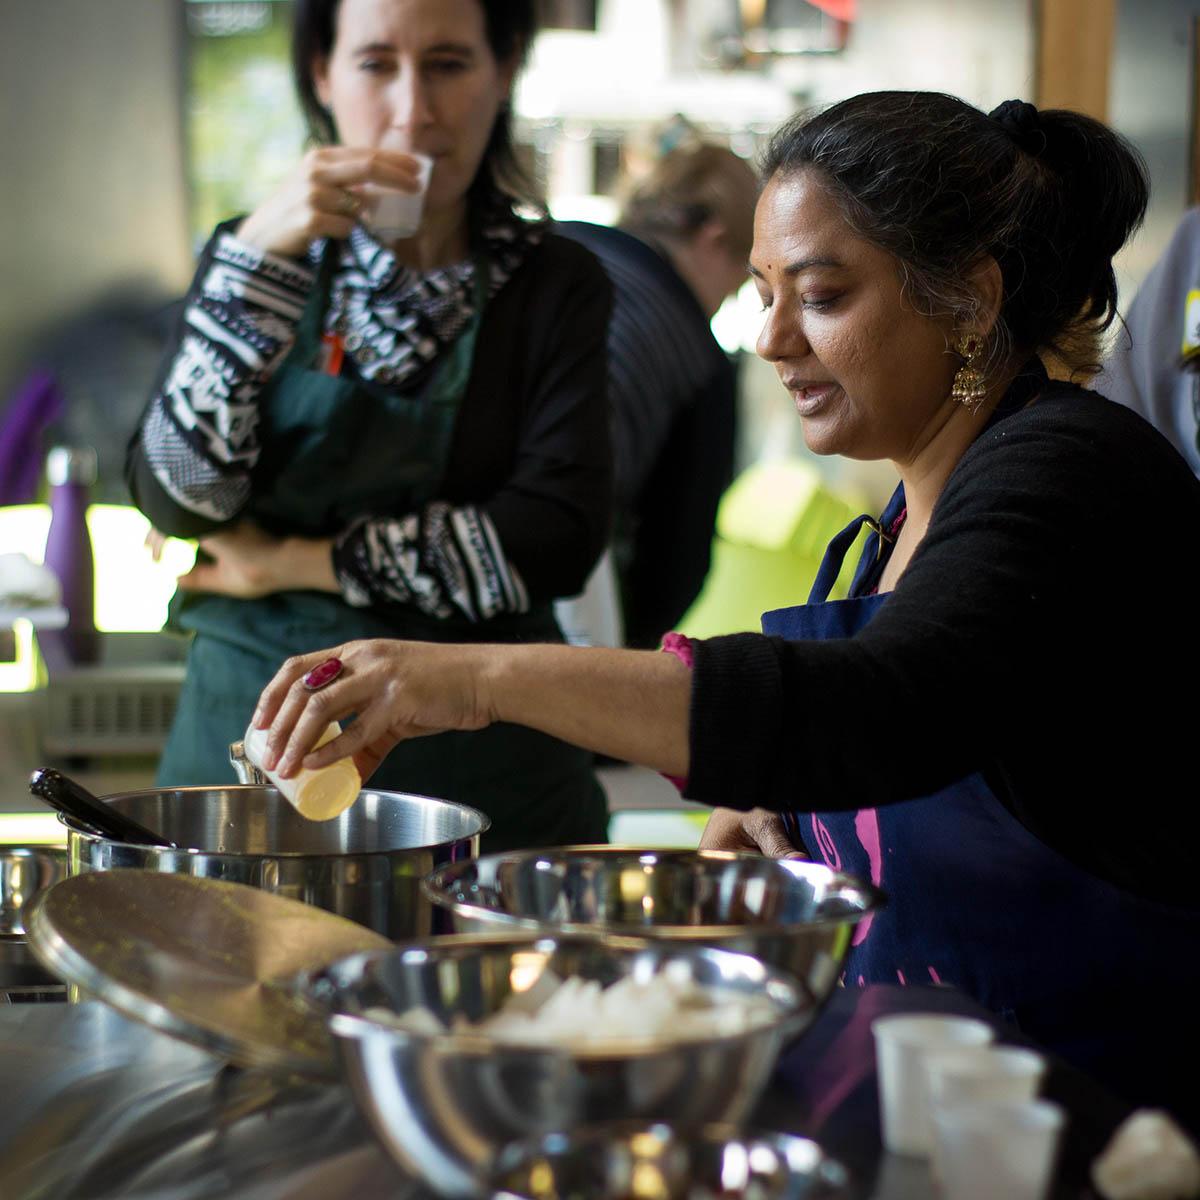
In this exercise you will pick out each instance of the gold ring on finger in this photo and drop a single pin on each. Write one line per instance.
(349, 203)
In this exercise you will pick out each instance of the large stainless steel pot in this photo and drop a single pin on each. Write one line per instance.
(366, 864)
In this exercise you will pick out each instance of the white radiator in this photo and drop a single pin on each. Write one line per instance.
(110, 710)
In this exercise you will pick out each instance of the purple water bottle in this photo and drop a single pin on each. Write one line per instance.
(70, 473)
(37, 404)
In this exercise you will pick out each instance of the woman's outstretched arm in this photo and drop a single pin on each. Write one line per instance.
(628, 704)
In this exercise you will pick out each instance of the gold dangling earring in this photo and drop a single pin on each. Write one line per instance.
(969, 387)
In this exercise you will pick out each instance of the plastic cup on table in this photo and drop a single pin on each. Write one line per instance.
(902, 1044)
(997, 1149)
(986, 1072)
(972, 1073)
(390, 214)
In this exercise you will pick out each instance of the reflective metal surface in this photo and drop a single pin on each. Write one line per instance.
(209, 962)
(101, 1108)
(365, 864)
(655, 1162)
(798, 916)
(443, 1105)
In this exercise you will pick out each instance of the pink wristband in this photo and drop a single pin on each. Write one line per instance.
(682, 648)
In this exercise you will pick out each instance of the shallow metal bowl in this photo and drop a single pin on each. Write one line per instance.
(365, 864)
(26, 871)
(444, 1104)
(656, 1162)
(798, 916)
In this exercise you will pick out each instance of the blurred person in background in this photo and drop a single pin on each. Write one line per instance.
(679, 249)
(400, 438)
(1154, 365)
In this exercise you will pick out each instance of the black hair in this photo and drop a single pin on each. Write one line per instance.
(510, 25)
(939, 184)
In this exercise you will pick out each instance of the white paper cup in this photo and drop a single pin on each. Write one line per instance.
(974, 1073)
(983, 1073)
(391, 215)
(997, 1149)
(902, 1043)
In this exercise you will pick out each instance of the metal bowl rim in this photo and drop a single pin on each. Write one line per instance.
(33, 849)
(516, 1155)
(873, 898)
(349, 1026)
(223, 855)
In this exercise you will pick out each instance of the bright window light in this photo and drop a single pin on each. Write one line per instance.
(132, 590)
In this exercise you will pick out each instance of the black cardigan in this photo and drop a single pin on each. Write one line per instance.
(531, 440)
(1043, 633)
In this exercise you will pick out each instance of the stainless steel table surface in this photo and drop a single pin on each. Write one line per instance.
(93, 1106)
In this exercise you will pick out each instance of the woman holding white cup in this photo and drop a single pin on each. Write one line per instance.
(385, 415)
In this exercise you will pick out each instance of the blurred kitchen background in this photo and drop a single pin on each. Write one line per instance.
(132, 126)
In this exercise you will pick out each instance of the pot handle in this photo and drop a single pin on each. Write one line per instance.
(245, 770)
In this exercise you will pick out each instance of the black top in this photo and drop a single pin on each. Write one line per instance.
(673, 395)
(1043, 634)
(530, 447)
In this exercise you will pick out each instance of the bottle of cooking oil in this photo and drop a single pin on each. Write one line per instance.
(319, 795)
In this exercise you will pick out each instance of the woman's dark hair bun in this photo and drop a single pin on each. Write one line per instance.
(1051, 195)
(1021, 120)
(1105, 189)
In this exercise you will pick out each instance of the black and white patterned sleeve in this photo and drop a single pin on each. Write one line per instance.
(445, 561)
(199, 436)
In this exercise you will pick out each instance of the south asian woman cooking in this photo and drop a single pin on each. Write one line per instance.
(388, 433)
(986, 727)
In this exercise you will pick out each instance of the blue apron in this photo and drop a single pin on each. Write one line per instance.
(1100, 976)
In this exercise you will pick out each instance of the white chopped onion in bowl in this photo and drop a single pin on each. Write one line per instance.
(580, 1013)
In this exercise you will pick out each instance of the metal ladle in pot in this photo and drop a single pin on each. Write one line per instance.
(76, 802)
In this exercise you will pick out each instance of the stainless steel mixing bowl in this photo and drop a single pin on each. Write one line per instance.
(444, 1104)
(798, 916)
(656, 1162)
(365, 864)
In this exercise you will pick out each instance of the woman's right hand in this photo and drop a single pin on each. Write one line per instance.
(320, 199)
(759, 831)
(396, 689)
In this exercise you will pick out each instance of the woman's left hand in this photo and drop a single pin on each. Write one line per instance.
(248, 563)
(759, 831)
(397, 690)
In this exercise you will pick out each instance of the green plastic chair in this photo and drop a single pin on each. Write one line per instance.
(773, 525)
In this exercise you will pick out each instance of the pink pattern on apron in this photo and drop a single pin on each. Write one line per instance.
(828, 850)
(866, 826)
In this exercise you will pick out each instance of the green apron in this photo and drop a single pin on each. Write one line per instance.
(333, 449)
